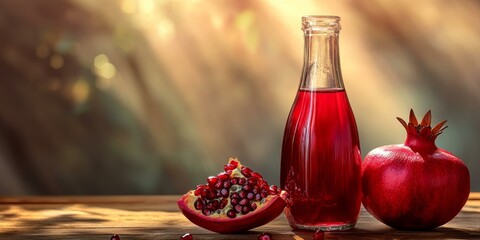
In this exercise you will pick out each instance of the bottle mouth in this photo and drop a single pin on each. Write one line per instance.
(321, 23)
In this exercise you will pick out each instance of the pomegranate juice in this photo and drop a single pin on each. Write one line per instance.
(321, 161)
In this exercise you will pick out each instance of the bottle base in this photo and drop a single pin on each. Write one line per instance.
(324, 227)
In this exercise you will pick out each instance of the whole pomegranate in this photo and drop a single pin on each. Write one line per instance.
(415, 185)
(235, 200)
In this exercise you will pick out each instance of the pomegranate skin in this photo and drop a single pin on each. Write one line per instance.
(268, 211)
(235, 200)
(414, 190)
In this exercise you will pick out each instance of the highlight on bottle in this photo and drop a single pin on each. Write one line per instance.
(320, 23)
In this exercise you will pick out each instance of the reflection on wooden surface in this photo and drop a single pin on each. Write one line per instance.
(157, 217)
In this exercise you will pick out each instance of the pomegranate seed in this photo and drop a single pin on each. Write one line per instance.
(252, 181)
(242, 181)
(115, 237)
(199, 189)
(238, 208)
(212, 180)
(187, 236)
(274, 190)
(243, 202)
(229, 167)
(227, 184)
(223, 176)
(224, 192)
(258, 197)
(264, 195)
(215, 204)
(211, 195)
(255, 190)
(257, 175)
(245, 209)
(234, 195)
(247, 188)
(199, 203)
(231, 213)
(233, 162)
(218, 185)
(234, 181)
(247, 172)
(197, 192)
(318, 235)
(250, 196)
(242, 194)
(234, 188)
(264, 236)
(206, 212)
(253, 206)
(234, 201)
(209, 206)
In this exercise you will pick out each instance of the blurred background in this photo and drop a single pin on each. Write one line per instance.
(153, 96)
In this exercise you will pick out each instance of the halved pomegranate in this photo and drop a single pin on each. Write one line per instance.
(235, 200)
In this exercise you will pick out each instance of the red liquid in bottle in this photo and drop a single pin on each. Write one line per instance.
(321, 161)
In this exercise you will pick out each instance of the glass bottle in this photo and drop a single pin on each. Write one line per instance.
(321, 161)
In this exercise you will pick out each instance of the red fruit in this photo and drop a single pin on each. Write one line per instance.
(233, 162)
(247, 172)
(187, 236)
(231, 213)
(415, 185)
(231, 207)
(212, 180)
(115, 237)
(265, 236)
(318, 235)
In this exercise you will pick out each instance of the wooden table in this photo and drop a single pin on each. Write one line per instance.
(157, 217)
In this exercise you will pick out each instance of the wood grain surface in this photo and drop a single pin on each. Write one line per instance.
(157, 217)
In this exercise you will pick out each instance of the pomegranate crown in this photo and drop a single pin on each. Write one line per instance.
(423, 130)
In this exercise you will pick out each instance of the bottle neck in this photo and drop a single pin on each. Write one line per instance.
(321, 67)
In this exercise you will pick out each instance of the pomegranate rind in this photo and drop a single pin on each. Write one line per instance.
(265, 213)
(388, 174)
(415, 185)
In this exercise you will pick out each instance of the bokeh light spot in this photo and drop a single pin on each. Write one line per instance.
(103, 69)
(217, 22)
(129, 6)
(80, 91)
(56, 61)
(100, 60)
(165, 28)
(245, 23)
(146, 6)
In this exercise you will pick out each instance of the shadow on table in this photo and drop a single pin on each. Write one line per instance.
(389, 233)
